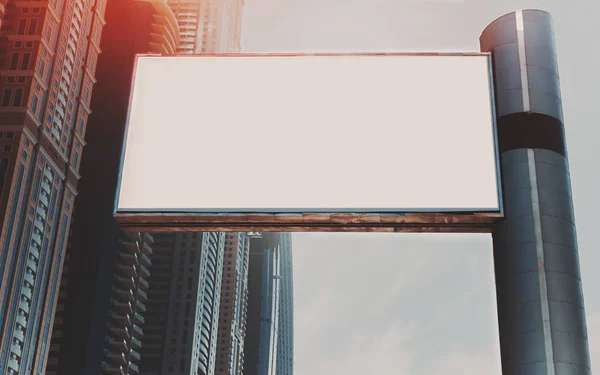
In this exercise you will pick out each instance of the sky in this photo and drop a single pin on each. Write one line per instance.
(355, 293)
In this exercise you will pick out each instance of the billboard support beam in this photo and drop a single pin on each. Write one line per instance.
(540, 301)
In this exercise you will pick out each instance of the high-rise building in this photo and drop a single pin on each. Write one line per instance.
(270, 292)
(285, 333)
(127, 308)
(157, 305)
(234, 303)
(209, 26)
(189, 340)
(48, 54)
(94, 289)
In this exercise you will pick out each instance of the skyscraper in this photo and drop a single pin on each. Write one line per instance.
(157, 306)
(269, 294)
(234, 302)
(48, 53)
(208, 26)
(96, 253)
(189, 343)
(285, 333)
(122, 340)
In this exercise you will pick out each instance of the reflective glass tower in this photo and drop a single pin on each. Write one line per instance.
(269, 335)
(285, 333)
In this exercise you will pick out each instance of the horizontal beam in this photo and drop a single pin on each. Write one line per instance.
(311, 222)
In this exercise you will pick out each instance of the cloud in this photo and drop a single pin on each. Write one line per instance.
(409, 304)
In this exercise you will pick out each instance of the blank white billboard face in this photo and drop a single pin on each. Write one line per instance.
(310, 133)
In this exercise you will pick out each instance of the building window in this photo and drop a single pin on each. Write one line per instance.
(14, 61)
(34, 105)
(6, 97)
(22, 26)
(25, 61)
(42, 68)
(32, 26)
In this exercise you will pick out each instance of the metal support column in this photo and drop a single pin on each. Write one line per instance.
(540, 301)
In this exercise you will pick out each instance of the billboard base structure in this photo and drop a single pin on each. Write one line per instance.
(307, 222)
(539, 293)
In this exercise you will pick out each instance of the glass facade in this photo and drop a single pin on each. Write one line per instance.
(269, 335)
(285, 332)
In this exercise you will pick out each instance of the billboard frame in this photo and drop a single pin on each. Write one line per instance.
(314, 220)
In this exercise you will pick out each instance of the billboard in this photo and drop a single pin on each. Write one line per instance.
(311, 142)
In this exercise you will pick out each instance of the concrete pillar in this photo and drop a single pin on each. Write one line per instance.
(540, 301)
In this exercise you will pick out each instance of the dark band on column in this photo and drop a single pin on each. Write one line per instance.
(531, 130)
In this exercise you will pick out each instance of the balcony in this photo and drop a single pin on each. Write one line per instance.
(33, 250)
(109, 369)
(21, 320)
(133, 367)
(147, 248)
(26, 292)
(129, 258)
(134, 355)
(125, 282)
(144, 284)
(29, 278)
(126, 270)
(121, 319)
(139, 319)
(138, 332)
(124, 295)
(16, 349)
(19, 335)
(117, 359)
(122, 306)
(121, 333)
(144, 272)
(14, 365)
(142, 295)
(129, 246)
(140, 306)
(135, 343)
(116, 345)
(146, 260)
(31, 264)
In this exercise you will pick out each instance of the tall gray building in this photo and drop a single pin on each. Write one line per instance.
(189, 332)
(269, 334)
(234, 302)
(285, 333)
